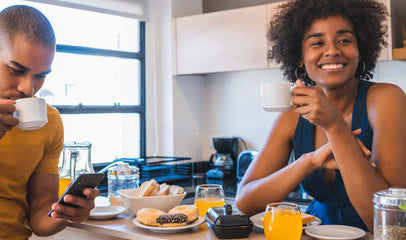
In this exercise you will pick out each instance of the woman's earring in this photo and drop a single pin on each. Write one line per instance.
(363, 67)
(304, 73)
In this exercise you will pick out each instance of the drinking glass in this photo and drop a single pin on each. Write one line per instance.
(282, 221)
(207, 196)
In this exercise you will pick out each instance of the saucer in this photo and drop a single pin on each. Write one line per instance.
(106, 212)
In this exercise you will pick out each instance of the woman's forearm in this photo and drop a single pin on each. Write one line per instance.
(253, 196)
(361, 180)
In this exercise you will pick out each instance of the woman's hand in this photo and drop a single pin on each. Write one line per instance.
(312, 104)
(365, 150)
(323, 157)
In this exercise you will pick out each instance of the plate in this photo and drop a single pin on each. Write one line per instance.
(106, 212)
(256, 220)
(199, 221)
(335, 232)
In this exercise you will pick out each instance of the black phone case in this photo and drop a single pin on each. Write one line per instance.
(84, 180)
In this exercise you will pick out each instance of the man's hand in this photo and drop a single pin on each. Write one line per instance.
(7, 121)
(72, 213)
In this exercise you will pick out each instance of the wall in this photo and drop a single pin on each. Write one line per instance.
(193, 109)
(232, 102)
(174, 106)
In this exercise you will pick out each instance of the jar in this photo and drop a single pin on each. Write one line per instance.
(390, 214)
(76, 160)
(120, 177)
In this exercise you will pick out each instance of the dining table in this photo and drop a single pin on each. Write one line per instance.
(123, 227)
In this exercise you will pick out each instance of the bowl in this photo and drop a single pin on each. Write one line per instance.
(164, 203)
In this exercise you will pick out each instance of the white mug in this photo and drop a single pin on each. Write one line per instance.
(276, 97)
(31, 113)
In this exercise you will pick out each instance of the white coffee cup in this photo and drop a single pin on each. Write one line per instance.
(31, 113)
(276, 97)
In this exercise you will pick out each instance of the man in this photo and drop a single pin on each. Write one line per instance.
(29, 159)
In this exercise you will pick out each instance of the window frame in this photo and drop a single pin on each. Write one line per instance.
(116, 108)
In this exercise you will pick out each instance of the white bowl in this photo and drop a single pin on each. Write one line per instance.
(164, 203)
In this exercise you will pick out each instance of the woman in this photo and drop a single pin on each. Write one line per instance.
(329, 48)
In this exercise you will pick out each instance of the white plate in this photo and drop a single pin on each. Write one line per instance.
(199, 221)
(335, 232)
(256, 220)
(106, 212)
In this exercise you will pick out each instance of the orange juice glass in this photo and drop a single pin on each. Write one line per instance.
(63, 184)
(207, 196)
(282, 221)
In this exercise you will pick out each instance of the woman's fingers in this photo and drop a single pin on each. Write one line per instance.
(364, 149)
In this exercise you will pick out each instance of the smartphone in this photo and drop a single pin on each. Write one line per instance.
(84, 180)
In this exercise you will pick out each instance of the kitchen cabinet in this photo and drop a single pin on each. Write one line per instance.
(235, 40)
(398, 9)
(222, 41)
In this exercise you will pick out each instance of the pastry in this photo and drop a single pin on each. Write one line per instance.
(172, 220)
(149, 216)
(190, 211)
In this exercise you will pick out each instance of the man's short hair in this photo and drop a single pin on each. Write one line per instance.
(29, 22)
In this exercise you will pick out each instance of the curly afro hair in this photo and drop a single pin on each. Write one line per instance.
(287, 28)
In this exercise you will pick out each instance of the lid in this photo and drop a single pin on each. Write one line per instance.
(123, 169)
(75, 144)
(392, 196)
(225, 217)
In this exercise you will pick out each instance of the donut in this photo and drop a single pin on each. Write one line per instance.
(148, 216)
(189, 210)
(172, 220)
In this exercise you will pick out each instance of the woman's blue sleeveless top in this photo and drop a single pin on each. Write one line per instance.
(331, 203)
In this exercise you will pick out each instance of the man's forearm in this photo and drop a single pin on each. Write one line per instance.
(43, 225)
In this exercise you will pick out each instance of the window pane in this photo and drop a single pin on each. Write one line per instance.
(112, 135)
(92, 80)
(88, 29)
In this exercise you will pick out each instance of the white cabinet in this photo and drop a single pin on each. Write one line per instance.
(222, 41)
(235, 40)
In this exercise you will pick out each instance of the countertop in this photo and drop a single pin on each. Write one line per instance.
(123, 227)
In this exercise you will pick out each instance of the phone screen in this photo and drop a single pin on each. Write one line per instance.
(84, 180)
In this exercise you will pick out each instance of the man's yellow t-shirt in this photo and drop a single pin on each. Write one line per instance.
(21, 154)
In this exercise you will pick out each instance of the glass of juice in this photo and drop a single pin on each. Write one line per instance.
(282, 221)
(207, 196)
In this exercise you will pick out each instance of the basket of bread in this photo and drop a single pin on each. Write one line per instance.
(153, 195)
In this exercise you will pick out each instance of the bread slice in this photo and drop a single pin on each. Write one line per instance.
(145, 189)
(307, 218)
(155, 190)
(163, 190)
(174, 189)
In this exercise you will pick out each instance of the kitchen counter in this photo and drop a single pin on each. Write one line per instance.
(122, 227)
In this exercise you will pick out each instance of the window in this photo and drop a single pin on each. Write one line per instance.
(98, 79)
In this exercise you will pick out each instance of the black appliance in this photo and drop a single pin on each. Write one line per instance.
(225, 222)
(244, 160)
(224, 161)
